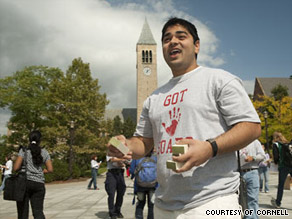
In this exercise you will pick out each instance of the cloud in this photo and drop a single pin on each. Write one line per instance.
(53, 33)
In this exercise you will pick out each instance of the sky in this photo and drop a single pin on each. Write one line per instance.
(250, 38)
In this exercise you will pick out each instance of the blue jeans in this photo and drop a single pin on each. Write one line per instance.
(141, 196)
(3, 183)
(252, 184)
(264, 175)
(93, 178)
(283, 173)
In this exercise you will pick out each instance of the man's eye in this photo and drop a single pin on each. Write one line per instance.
(166, 40)
(182, 37)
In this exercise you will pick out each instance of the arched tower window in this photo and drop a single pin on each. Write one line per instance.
(143, 56)
(146, 56)
(150, 56)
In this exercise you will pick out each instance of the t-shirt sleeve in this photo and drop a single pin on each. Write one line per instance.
(144, 126)
(21, 153)
(235, 105)
(46, 156)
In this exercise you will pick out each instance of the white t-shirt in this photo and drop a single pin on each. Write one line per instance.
(94, 164)
(9, 165)
(200, 104)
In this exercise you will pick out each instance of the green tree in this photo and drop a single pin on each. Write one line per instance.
(76, 97)
(279, 92)
(24, 94)
(45, 98)
(279, 116)
(128, 128)
(117, 126)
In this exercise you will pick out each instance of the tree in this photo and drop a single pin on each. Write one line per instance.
(279, 92)
(24, 94)
(279, 115)
(117, 126)
(76, 97)
(45, 98)
(128, 128)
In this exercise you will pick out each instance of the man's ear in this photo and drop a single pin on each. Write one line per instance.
(197, 46)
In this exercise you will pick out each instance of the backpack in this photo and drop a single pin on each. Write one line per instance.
(285, 152)
(145, 173)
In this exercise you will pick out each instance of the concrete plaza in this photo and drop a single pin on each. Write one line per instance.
(73, 200)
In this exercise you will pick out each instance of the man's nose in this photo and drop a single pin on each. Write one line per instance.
(174, 41)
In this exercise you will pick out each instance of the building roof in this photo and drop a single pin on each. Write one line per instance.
(146, 37)
(267, 84)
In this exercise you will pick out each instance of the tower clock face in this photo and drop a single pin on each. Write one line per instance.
(147, 71)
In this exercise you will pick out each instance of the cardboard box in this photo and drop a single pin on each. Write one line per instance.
(176, 151)
(119, 145)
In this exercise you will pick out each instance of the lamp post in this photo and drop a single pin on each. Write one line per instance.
(71, 150)
(266, 128)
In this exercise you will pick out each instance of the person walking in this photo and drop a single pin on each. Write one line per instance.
(278, 141)
(35, 180)
(7, 171)
(144, 188)
(115, 184)
(251, 156)
(94, 168)
(264, 172)
(204, 108)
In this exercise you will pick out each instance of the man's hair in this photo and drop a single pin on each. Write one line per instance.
(189, 26)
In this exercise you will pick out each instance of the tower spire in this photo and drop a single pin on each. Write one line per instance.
(146, 37)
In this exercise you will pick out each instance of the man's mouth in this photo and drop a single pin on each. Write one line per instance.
(174, 52)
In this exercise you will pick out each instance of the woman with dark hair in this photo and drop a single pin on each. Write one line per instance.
(35, 183)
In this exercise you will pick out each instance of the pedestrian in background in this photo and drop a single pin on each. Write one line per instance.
(7, 171)
(94, 168)
(115, 185)
(251, 156)
(36, 157)
(278, 141)
(144, 188)
(264, 172)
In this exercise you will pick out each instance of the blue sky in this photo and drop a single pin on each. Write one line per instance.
(255, 36)
(249, 38)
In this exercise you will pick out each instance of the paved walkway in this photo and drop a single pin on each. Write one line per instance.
(73, 200)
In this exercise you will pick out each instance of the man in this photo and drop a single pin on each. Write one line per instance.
(115, 182)
(198, 103)
(251, 156)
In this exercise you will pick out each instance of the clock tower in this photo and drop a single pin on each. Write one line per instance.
(146, 66)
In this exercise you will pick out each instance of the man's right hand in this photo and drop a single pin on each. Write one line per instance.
(114, 152)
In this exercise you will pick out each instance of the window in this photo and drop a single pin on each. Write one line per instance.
(146, 56)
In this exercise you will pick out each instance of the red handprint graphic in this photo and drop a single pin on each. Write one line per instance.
(174, 117)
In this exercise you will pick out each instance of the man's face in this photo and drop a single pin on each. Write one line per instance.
(179, 50)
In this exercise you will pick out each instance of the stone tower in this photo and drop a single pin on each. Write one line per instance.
(146, 66)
